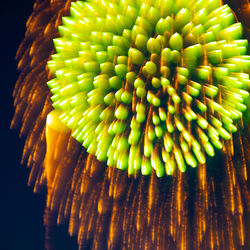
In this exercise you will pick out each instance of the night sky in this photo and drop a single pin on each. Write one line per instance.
(21, 210)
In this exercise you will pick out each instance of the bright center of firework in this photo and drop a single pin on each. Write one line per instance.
(150, 84)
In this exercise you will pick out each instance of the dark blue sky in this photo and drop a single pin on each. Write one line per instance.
(21, 210)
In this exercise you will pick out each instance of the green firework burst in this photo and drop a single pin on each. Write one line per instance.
(150, 84)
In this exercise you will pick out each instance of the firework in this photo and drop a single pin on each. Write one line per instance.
(150, 85)
(145, 87)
